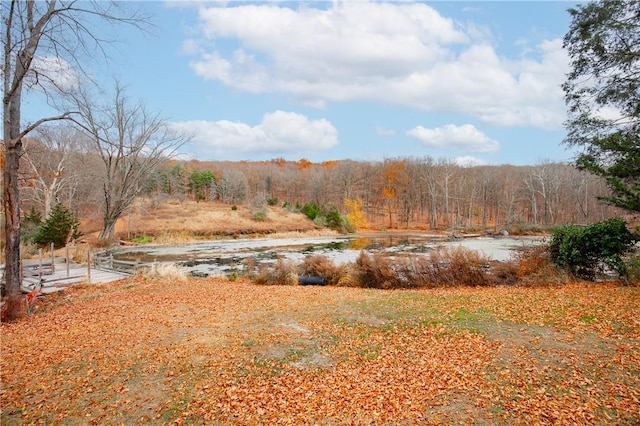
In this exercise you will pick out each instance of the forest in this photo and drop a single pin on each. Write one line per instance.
(394, 193)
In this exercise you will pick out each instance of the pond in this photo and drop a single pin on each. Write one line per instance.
(226, 257)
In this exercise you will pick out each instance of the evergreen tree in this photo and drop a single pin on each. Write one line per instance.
(602, 93)
(31, 226)
(59, 227)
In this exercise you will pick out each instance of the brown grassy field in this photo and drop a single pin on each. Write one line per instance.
(210, 351)
(173, 220)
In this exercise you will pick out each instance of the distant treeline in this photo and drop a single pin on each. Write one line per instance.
(399, 193)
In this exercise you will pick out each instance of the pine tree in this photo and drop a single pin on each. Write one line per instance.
(59, 227)
(31, 226)
(602, 93)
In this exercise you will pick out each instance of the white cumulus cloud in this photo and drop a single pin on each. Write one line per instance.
(52, 73)
(463, 138)
(469, 161)
(278, 133)
(399, 53)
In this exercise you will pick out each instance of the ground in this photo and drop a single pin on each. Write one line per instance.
(210, 351)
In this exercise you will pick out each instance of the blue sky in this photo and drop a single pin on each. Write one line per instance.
(472, 81)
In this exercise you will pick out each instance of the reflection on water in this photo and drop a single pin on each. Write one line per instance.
(226, 257)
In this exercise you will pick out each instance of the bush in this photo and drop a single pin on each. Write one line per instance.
(320, 266)
(457, 266)
(311, 210)
(375, 271)
(588, 251)
(529, 267)
(273, 201)
(320, 221)
(633, 268)
(260, 216)
(165, 270)
(283, 273)
(143, 239)
(59, 227)
(334, 219)
(504, 273)
(259, 203)
(339, 222)
(442, 268)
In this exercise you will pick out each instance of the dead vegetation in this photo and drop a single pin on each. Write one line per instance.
(209, 351)
(443, 267)
(173, 221)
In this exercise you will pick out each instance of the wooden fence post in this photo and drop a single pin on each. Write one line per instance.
(39, 264)
(89, 265)
(53, 261)
(66, 256)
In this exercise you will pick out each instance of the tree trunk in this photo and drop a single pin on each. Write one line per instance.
(11, 192)
(108, 231)
(13, 265)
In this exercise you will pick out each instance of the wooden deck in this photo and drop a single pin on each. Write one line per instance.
(62, 277)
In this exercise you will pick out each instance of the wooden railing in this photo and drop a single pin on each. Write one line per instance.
(105, 260)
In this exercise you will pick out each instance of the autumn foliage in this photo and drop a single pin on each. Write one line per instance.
(355, 214)
(209, 351)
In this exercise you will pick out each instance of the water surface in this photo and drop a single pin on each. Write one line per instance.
(225, 257)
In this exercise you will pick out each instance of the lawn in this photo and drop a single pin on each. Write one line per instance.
(209, 351)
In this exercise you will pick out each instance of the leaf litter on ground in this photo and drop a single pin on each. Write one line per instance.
(209, 351)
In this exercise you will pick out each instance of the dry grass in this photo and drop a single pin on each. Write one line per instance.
(177, 222)
(444, 267)
(167, 271)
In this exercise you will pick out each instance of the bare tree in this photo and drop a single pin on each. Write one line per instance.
(47, 158)
(42, 41)
(131, 142)
(233, 187)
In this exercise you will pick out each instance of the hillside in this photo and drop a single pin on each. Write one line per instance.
(175, 220)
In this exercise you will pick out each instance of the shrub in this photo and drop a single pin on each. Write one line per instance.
(259, 202)
(143, 239)
(311, 210)
(334, 219)
(165, 270)
(234, 207)
(458, 266)
(320, 221)
(442, 268)
(504, 273)
(337, 221)
(633, 268)
(588, 251)
(260, 216)
(321, 266)
(273, 201)
(374, 271)
(283, 273)
(59, 227)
